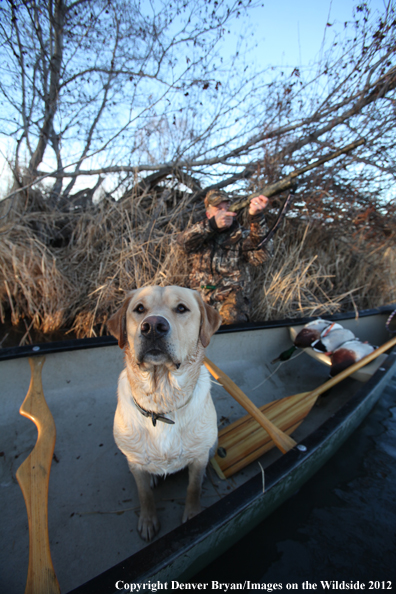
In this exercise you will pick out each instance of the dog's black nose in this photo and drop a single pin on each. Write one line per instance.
(155, 327)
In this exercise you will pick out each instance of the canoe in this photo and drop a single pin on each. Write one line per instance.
(92, 501)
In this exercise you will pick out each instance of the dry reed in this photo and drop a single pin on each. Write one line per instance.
(33, 286)
(73, 269)
(314, 272)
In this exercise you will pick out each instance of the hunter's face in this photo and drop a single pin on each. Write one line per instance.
(212, 210)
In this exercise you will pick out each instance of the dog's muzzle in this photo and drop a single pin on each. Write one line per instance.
(154, 347)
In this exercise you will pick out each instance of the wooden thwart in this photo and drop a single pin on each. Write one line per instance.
(33, 478)
(245, 440)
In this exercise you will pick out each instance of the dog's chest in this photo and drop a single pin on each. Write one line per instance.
(166, 448)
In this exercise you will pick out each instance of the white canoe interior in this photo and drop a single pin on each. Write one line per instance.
(93, 503)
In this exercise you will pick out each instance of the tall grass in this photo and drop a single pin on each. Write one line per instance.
(33, 286)
(314, 272)
(73, 269)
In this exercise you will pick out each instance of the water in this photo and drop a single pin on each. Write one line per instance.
(340, 526)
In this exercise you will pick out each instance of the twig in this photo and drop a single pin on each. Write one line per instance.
(22, 341)
(263, 476)
(3, 339)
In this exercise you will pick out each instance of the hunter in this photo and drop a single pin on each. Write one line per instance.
(220, 251)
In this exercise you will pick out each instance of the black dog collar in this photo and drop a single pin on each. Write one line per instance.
(154, 416)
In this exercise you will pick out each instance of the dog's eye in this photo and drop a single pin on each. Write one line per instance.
(139, 308)
(181, 308)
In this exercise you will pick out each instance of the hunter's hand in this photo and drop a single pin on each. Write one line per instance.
(258, 204)
(224, 218)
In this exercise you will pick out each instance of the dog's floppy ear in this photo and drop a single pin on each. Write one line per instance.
(210, 320)
(117, 323)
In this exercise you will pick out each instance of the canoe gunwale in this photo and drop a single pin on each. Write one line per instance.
(183, 539)
(101, 341)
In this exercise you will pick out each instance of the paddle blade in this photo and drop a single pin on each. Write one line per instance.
(33, 478)
(243, 441)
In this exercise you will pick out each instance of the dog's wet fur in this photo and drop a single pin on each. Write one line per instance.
(164, 332)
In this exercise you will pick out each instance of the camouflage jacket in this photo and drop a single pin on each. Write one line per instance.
(219, 259)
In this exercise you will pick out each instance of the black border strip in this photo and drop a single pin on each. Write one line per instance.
(61, 346)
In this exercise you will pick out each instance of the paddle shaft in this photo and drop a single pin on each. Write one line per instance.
(283, 441)
(350, 370)
(33, 478)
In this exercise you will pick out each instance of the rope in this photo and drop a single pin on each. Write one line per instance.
(276, 369)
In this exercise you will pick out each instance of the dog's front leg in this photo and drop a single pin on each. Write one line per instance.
(196, 472)
(148, 525)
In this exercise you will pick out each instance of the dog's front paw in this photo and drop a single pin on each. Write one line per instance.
(190, 511)
(148, 526)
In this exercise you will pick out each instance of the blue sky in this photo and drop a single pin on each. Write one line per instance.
(290, 32)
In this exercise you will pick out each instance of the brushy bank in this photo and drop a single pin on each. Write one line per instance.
(71, 269)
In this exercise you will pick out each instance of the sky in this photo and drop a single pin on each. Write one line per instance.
(287, 33)
(290, 32)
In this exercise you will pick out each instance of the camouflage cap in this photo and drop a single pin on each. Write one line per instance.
(215, 197)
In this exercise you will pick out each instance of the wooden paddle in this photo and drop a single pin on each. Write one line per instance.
(243, 441)
(281, 440)
(33, 478)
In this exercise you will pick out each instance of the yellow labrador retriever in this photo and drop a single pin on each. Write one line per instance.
(165, 418)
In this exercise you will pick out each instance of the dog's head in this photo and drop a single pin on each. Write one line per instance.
(162, 325)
